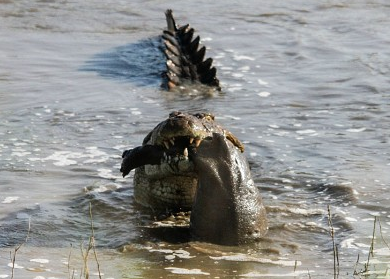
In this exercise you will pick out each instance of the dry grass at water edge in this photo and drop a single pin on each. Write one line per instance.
(85, 254)
(365, 272)
(90, 250)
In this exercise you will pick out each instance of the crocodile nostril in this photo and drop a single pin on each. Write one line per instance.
(176, 114)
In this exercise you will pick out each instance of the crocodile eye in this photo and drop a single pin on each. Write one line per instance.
(199, 115)
(212, 116)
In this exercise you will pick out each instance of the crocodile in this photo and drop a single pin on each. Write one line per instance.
(190, 162)
(170, 185)
(185, 57)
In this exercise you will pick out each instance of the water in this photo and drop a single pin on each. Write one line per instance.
(305, 87)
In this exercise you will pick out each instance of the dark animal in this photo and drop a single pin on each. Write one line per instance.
(189, 162)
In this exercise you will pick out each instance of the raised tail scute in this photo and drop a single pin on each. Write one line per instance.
(185, 57)
(171, 25)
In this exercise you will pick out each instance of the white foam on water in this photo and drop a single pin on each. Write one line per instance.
(67, 158)
(244, 68)
(284, 275)
(282, 134)
(356, 130)
(95, 160)
(10, 199)
(350, 219)
(34, 159)
(15, 265)
(385, 251)
(262, 82)
(243, 57)
(237, 75)
(179, 270)
(122, 147)
(107, 173)
(348, 243)
(165, 251)
(183, 254)
(95, 155)
(172, 254)
(148, 101)
(231, 117)
(236, 85)
(19, 144)
(299, 211)
(375, 214)
(264, 94)
(19, 152)
(248, 258)
(102, 188)
(63, 158)
(136, 112)
(306, 132)
(368, 220)
(234, 89)
(42, 261)
(363, 245)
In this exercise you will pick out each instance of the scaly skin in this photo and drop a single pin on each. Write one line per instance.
(185, 57)
(188, 162)
(164, 176)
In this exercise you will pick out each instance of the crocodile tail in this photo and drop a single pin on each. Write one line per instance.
(170, 21)
(185, 57)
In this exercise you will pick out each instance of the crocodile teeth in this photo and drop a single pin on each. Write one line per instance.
(191, 140)
(185, 152)
(166, 143)
(197, 142)
(172, 141)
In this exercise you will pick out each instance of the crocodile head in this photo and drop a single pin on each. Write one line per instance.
(165, 177)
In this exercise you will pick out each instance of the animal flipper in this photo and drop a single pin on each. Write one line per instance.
(140, 156)
(185, 56)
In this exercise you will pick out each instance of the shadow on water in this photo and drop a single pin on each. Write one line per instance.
(141, 63)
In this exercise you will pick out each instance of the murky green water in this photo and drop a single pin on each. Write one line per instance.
(305, 86)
